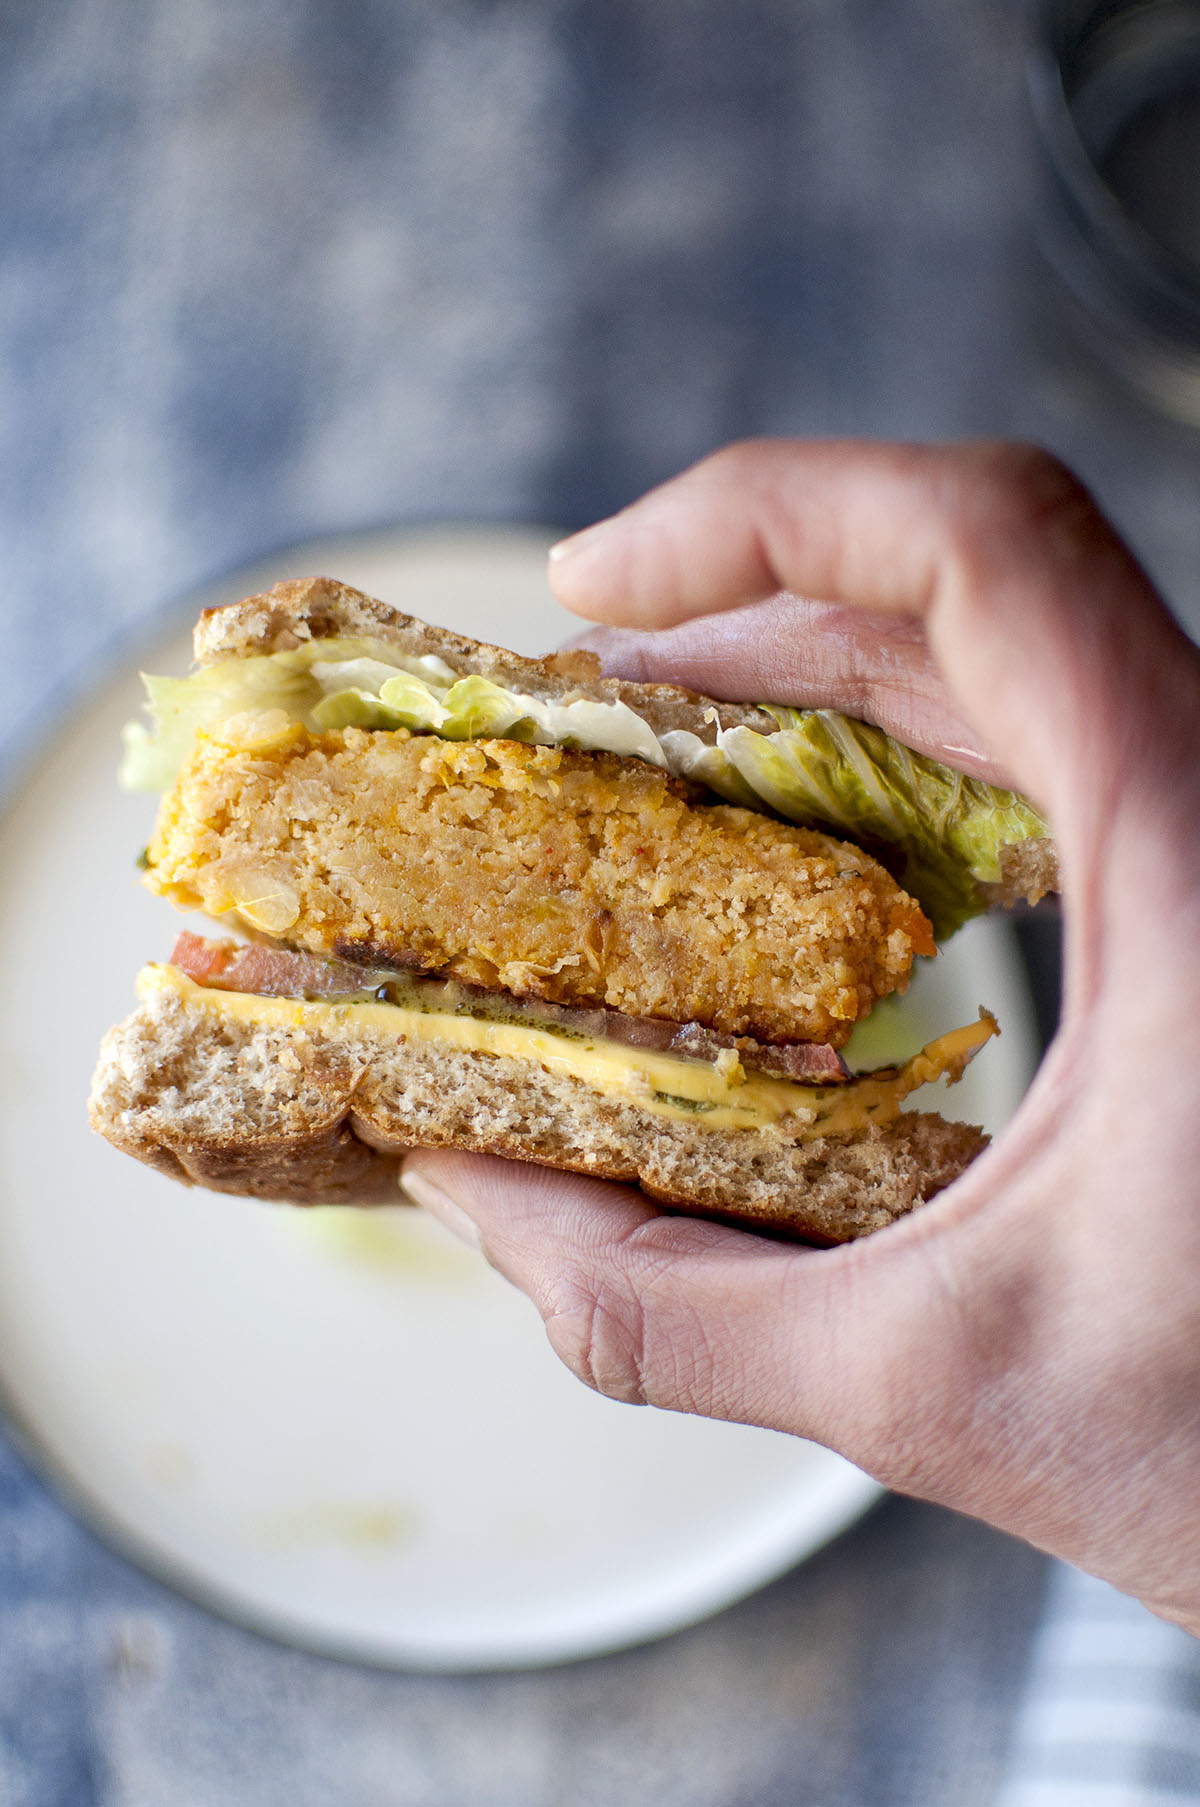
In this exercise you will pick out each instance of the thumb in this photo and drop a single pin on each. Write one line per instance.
(650, 1308)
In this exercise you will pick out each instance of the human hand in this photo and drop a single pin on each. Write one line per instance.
(1025, 1347)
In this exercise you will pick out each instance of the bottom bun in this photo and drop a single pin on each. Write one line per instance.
(316, 1117)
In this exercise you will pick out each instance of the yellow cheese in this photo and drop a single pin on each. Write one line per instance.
(668, 1085)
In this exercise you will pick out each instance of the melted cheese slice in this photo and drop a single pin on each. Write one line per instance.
(667, 1085)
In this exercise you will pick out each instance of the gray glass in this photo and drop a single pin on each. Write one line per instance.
(1115, 90)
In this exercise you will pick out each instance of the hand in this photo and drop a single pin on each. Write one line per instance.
(1026, 1347)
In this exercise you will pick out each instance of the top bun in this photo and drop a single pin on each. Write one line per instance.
(320, 608)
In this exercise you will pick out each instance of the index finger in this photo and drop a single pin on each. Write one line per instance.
(816, 655)
(1054, 648)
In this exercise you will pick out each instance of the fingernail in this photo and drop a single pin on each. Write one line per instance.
(576, 543)
(439, 1204)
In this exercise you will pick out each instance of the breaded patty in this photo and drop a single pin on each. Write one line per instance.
(577, 877)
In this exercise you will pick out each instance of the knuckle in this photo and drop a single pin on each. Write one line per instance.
(1028, 491)
(632, 1333)
(734, 456)
(739, 465)
(1022, 466)
(599, 1334)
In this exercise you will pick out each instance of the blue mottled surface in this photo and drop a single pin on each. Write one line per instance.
(882, 1671)
(274, 267)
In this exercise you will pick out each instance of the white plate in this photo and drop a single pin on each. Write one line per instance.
(341, 1427)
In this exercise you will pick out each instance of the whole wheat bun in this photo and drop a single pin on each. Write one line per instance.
(318, 608)
(323, 1117)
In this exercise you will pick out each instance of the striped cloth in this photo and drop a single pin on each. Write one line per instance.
(1110, 1715)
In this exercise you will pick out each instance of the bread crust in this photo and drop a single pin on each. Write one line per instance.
(321, 1117)
(319, 608)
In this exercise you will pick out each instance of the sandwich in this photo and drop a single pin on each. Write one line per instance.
(467, 899)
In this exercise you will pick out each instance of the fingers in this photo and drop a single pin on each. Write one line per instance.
(1030, 1364)
(875, 667)
(650, 1308)
(872, 525)
(645, 1307)
(1052, 644)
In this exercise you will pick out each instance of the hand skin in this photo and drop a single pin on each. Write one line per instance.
(1026, 1347)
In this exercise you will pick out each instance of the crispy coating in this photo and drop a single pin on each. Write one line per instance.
(578, 877)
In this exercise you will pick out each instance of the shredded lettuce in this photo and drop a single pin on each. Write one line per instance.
(332, 684)
(818, 767)
(291, 681)
(179, 707)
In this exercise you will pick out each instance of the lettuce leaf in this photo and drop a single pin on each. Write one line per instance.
(178, 707)
(334, 684)
(950, 829)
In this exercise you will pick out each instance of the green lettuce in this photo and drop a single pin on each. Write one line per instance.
(296, 681)
(178, 707)
(824, 768)
(335, 684)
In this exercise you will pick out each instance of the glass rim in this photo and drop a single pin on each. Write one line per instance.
(1150, 279)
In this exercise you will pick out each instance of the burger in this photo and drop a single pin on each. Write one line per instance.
(467, 899)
